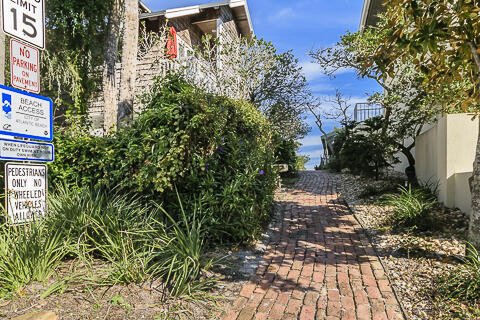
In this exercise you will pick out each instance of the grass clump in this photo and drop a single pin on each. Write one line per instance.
(28, 254)
(411, 207)
(136, 242)
(463, 283)
(179, 254)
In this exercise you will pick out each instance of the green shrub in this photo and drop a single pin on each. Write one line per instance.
(286, 153)
(463, 283)
(214, 153)
(411, 207)
(215, 150)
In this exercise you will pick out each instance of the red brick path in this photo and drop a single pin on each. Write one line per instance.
(319, 263)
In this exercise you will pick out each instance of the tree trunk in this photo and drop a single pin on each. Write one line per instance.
(2, 53)
(128, 73)
(474, 227)
(2, 57)
(410, 170)
(110, 90)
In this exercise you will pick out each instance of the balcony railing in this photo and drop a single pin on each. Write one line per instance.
(365, 111)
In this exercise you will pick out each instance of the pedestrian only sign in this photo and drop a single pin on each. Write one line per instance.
(24, 66)
(26, 192)
(25, 115)
(26, 151)
(25, 20)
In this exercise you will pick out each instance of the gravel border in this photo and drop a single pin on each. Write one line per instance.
(412, 260)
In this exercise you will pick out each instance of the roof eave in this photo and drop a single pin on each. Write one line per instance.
(365, 13)
(370, 12)
(239, 3)
(191, 10)
(144, 7)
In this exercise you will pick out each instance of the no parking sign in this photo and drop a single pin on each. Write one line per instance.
(24, 66)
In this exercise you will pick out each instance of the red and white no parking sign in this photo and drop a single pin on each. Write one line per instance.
(24, 66)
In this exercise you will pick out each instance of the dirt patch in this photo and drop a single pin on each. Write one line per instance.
(77, 295)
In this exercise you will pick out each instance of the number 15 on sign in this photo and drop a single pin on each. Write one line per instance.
(25, 20)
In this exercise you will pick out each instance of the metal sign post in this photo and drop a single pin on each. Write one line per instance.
(24, 115)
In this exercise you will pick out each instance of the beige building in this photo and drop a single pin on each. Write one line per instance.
(445, 150)
(185, 28)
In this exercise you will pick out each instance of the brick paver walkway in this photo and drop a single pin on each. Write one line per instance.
(319, 263)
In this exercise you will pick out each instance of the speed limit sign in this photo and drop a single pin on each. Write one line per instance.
(25, 20)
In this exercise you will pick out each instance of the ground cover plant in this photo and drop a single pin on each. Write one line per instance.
(145, 203)
(134, 242)
(411, 207)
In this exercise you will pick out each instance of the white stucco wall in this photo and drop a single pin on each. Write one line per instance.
(445, 155)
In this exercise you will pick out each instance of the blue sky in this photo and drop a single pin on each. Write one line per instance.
(303, 26)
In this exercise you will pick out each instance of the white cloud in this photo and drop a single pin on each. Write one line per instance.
(284, 13)
(322, 87)
(312, 71)
(311, 141)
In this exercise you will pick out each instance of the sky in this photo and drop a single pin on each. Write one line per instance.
(303, 26)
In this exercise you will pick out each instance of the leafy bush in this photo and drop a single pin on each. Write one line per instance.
(116, 198)
(366, 151)
(363, 149)
(463, 283)
(411, 207)
(286, 153)
(216, 151)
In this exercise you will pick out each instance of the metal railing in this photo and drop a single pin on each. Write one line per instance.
(365, 111)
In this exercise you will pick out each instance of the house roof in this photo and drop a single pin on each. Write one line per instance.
(144, 7)
(239, 8)
(371, 9)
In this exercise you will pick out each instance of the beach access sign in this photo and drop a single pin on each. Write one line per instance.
(25, 20)
(26, 192)
(25, 115)
(26, 151)
(24, 66)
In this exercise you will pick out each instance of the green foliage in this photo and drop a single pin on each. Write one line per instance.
(411, 207)
(274, 82)
(463, 283)
(114, 227)
(69, 67)
(178, 253)
(27, 254)
(286, 153)
(218, 152)
(363, 149)
(442, 38)
(130, 236)
(215, 154)
(301, 162)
